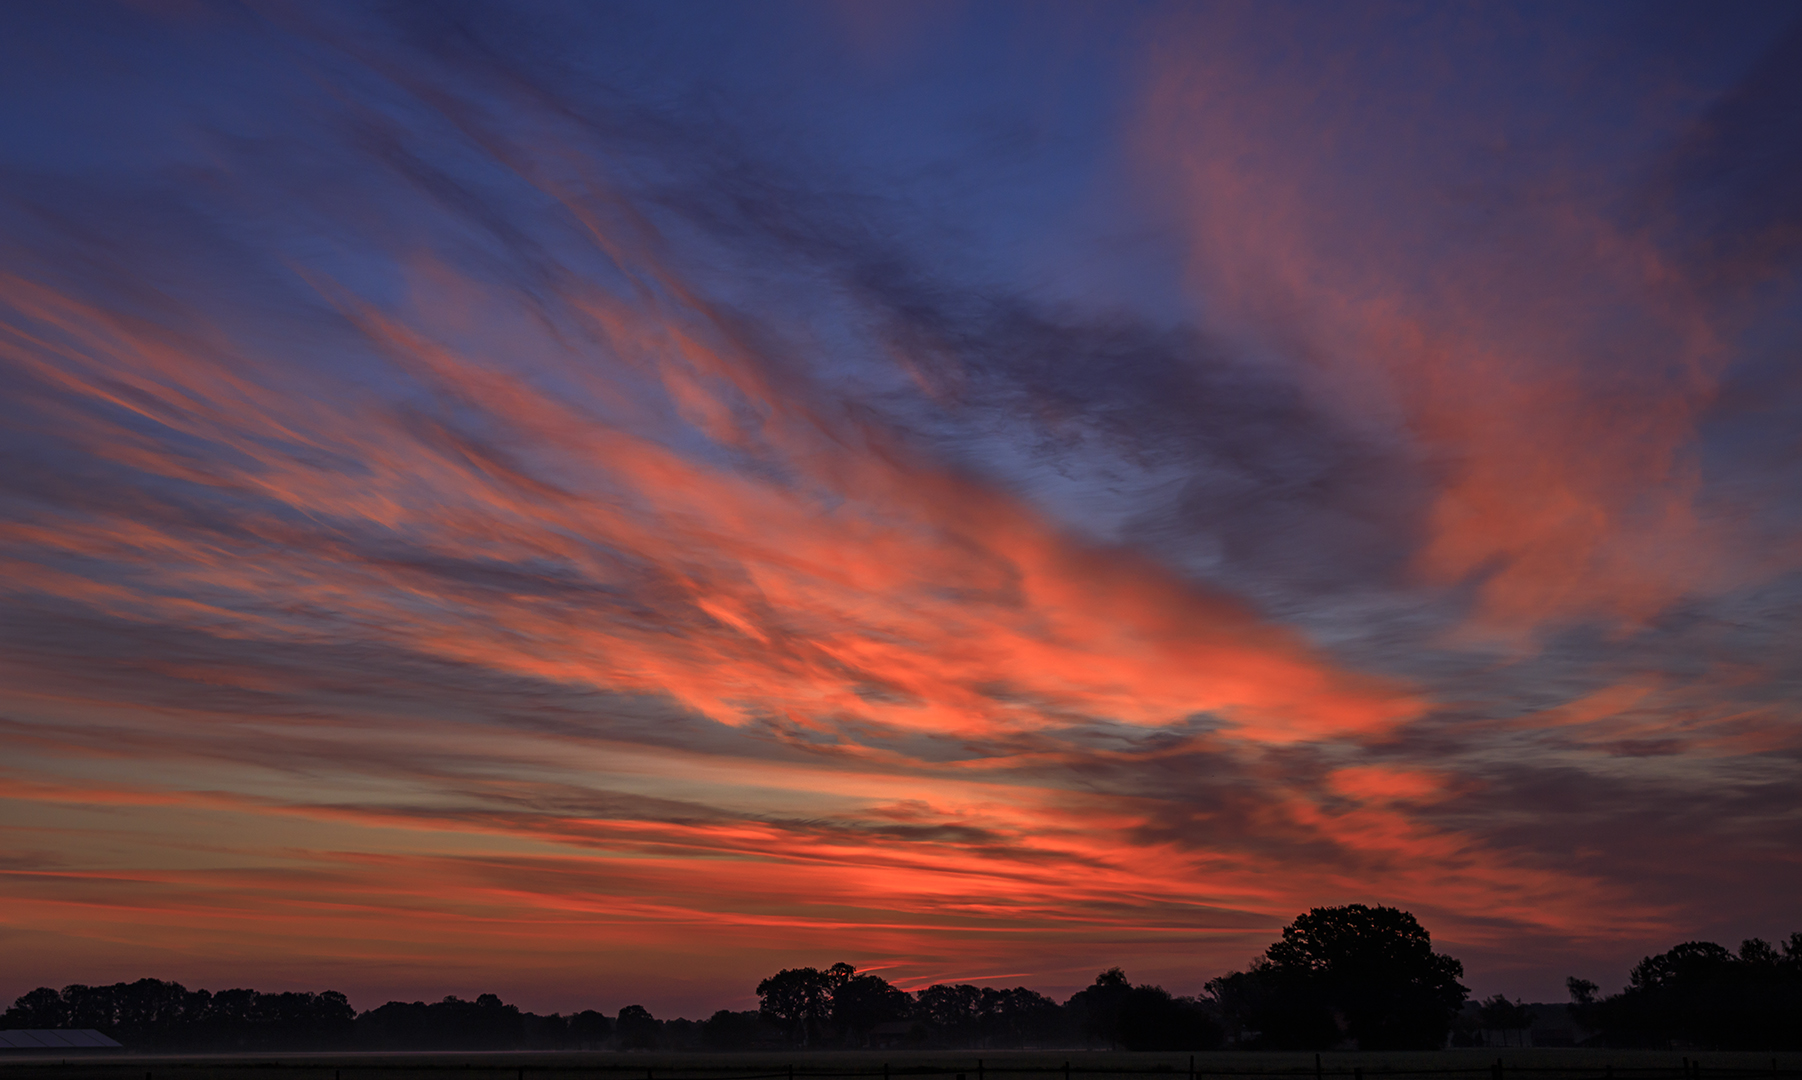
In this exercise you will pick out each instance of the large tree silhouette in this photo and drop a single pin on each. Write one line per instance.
(1365, 973)
(798, 1000)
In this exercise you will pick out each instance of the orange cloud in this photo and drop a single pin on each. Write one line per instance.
(1384, 784)
(866, 586)
(1544, 361)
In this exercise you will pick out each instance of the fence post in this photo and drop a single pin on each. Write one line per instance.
(1066, 1070)
(1317, 1073)
(1495, 1071)
(1191, 1067)
(979, 1069)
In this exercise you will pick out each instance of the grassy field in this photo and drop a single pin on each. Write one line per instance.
(1517, 1064)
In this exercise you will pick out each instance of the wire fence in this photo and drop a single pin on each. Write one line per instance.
(1587, 1065)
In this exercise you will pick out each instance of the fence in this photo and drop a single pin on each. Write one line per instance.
(1449, 1065)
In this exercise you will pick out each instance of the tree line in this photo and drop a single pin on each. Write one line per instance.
(1705, 995)
(1340, 977)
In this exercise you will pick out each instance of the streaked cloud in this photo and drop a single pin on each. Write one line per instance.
(489, 508)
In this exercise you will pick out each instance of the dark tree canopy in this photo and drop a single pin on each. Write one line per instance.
(1018, 1016)
(799, 1000)
(153, 1014)
(483, 1024)
(862, 1001)
(728, 1030)
(1114, 1011)
(1705, 995)
(954, 1009)
(1097, 1009)
(1364, 973)
(637, 1028)
(1508, 1017)
(588, 1029)
(962, 1014)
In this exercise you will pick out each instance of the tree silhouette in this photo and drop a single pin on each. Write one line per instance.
(1115, 1011)
(798, 1000)
(1014, 1017)
(962, 1014)
(1582, 991)
(1096, 1010)
(589, 1030)
(861, 1002)
(637, 1028)
(1367, 973)
(728, 1030)
(1500, 1014)
(451, 1024)
(1705, 995)
(1152, 1019)
(954, 1011)
(838, 975)
(152, 1014)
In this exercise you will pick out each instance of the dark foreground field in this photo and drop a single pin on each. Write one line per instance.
(1515, 1064)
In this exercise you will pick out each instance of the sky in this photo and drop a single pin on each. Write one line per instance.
(597, 503)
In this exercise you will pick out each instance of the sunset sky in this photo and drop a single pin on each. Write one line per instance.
(597, 503)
